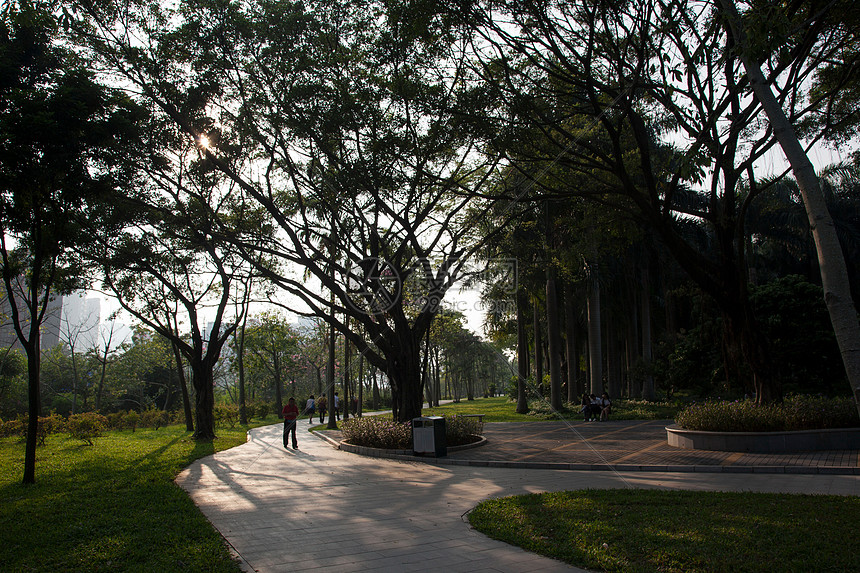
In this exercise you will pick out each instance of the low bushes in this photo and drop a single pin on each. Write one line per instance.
(793, 413)
(377, 432)
(86, 426)
(382, 432)
(226, 416)
(461, 430)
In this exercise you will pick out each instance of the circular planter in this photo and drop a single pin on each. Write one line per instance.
(765, 442)
(384, 453)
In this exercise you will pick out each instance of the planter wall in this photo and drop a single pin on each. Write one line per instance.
(765, 442)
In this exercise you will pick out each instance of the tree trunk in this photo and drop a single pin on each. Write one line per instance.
(572, 354)
(634, 389)
(831, 261)
(648, 390)
(278, 382)
(329, 377)
(522, 354)
(437, 376)
(346, 358)
(103, 374)
(360, 385)
(538, 350)
(75, 380)
(403, 367)
(34, 401)
(204, 400)
(554, 339)
(183, 383)
(426, 384)
(595, 348)
(240, 344)
(375, 388)
(613, 359)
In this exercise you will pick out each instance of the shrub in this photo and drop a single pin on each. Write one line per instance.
(262, 410)
(382, 432)
(51, 424)
(154, 418)
(86, 426)
(131, 420)
(794, 413)
(178, 417)
(460, 430)
(16, 427)
(377, 432)
(227, 415)
(116, 420)
(47, 425)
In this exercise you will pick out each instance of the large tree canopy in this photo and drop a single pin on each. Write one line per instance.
(340, 121)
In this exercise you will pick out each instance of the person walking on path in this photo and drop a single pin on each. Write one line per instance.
(290, 413)
(322, 406)
(310, 409)
(336, 406)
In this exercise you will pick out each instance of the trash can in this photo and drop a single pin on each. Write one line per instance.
(428, 436)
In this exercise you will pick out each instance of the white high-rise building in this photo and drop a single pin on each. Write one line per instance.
(50, 335)
(79, 327)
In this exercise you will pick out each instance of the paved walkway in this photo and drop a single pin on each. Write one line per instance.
(321, 509)
(631, 445)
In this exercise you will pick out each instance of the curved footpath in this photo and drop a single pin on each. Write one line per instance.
(322, 509)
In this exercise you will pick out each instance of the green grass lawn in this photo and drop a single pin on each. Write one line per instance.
(678, 531)
(501, 409)
(109, 507)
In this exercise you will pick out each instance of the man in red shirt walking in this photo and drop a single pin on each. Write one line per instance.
(290, 413)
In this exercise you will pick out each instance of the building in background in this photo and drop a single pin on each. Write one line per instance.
(68, 317)
(79, 325)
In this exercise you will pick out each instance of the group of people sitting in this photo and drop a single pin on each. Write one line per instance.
(594, 408)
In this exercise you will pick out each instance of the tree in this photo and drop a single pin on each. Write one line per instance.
(141, 374)
(179, 270)
(834, 273)
(105, 354)
(271, 346)
(64, 139)
(644, 99)
(338, 120)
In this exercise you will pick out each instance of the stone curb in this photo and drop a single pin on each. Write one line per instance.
(765, 442)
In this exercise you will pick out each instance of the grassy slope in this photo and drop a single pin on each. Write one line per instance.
(109, 507)
(678, 531)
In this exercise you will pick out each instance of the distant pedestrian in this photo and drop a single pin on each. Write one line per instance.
(310, 409)
(336, 407)
(322, 406)
(290, 414)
